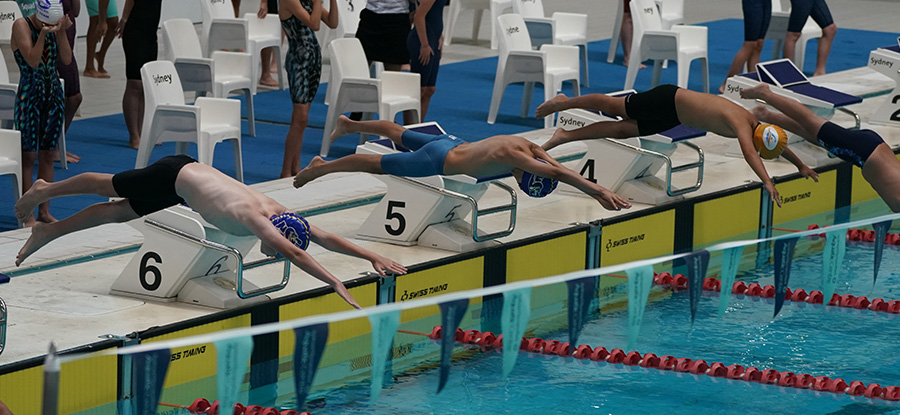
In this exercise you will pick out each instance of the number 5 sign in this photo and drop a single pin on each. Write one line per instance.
(887, 62)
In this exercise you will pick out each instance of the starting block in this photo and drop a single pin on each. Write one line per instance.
(629, 166)
(431, 211)
(785, 79)
(887, 62)
(186, 259)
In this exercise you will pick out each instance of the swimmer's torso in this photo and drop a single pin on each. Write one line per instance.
(222, 201)
(489, 157)
(713, 113)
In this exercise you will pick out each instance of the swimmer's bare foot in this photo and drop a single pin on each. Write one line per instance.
(93, 73)
(34, 196)
(341, 128)
(557, 139)
(722, 89)
(40, 236)
(308, 174)
(552, 105)
(45, 217)
(757, 92)
(70, 157)
(625, 64)
(134, 144)
(267, 80)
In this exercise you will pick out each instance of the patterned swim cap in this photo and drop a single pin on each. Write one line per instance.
(537, 186)
(293, 227)
(769, 140)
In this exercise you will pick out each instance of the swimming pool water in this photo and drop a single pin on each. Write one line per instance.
(804, 338)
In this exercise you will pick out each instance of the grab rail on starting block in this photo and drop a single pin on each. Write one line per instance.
(3, 312)
(476, 213)
(239, 259)
(669, 167)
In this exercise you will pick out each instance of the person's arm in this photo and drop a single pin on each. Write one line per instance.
(20, 40)
(336, 243)
(330, 16)
(425, 51)
(76, 8)
(126, 11)
(102, 5)
(270, 236)
(263, 9)
(555, 170)
(804, 170)
(62, 41)
(311, 20)
(745, 139)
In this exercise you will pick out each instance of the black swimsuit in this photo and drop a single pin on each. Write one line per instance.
(152, 188)
(654, 110)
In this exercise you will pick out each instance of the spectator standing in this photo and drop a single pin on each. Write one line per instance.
(104, 19)
(801, 10)
(424, 44)
(757, 14)
(137, 28)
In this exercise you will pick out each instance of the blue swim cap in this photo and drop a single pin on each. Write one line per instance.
(293, 227)
(537, 186)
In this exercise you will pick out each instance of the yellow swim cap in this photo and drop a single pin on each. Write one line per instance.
(769, 140)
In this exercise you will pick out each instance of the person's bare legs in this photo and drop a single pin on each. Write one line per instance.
(318, 167)
(91, 45)
(824, 48)
(747, 54)
(426, 92)
(89, 217)
(602, 129)
(237, 7)
(601, 102)
(72, 104)
(111, 24)
(293, 143)
(133, 110)
(81, 184)
(790, 45)
(384, 128)
(803, 119)
(45, 173)
(626, 33)
(266, 57)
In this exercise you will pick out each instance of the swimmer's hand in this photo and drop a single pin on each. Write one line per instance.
(808, 173)
(773, 193)
(610, 200)
(384, 266)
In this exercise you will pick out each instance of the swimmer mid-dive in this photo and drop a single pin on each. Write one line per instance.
(446, 154)
(663, 108)
(864, 148)
(229, 205)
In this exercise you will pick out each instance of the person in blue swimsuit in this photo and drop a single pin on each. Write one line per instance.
(424, 43)
(757, 14)
(801, 10)
(300, 20)
(39, 111)
(445, 154)
(864, 148)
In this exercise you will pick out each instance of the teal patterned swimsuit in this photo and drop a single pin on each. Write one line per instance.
(304, 58)
(39, 102)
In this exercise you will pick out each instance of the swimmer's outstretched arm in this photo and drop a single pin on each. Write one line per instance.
(336, 243)
(804, 170)
(745, 139)
(266, 232)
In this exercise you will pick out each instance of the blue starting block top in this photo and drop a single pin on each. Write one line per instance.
(678, 133)
(784, 74)
(4, 278)
(895, 48)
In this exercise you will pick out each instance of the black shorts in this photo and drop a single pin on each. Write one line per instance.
(802, 9)
(152, 188)
(140, 46)
(854, 146)
(383, 36)
(654, 110)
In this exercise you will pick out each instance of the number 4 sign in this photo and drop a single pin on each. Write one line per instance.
(887, 62)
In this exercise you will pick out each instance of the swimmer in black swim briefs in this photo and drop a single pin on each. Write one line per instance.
(662, 108)
(864, 148)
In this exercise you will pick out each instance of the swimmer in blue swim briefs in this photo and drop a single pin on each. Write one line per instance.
(864, 148)
(445, 154)
(229, 205)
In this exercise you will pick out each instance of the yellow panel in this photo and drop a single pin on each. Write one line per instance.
(199, 361)
(639, 238)
(861, 190)
(88, 383)
(22, 391)
(339, 331)
(455, 277)
(801, 197)
(729, 217)
(546, 258)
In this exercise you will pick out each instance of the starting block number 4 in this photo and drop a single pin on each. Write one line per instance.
(887, 62)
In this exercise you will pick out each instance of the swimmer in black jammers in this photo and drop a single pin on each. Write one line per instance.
(222, 201)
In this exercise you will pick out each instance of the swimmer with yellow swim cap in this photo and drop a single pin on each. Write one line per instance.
(665, 107)
(229, 205)
(769, 140)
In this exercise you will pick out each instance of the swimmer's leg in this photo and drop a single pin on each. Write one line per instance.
(89, 217)
(318, 167)
(383, 128)
(600, 102)
(603, 129)
(763, 114)
(84, 183)
(794, 110)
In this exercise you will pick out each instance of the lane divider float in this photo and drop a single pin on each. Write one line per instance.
(202, 406)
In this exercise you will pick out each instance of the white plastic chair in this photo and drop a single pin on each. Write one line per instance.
(778, 26)
(352, 89)
(166, 118)
(671, 13)
(8, 93)
(683, 44)
(9, 12)
(265, 33)
(222, 31)
(496, 7)
(219, 75)
(11, 159)
(559, 29)
(550, 66)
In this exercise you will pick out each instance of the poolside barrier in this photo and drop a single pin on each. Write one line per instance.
(488, 340)
(202, 406)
